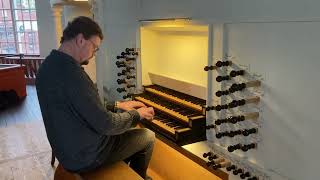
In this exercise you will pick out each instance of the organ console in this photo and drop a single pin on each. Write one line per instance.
(178, 116)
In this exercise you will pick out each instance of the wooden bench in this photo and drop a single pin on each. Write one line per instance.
(119, 170)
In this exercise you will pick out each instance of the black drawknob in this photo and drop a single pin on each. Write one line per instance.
(131, 77)
(229, 168)
(242, 102)
(205, 155)
(134, 53)
(245, 175)
(121, 65)
(131, 85)
(206, 68)
(209, 163)
(120, 57)
(218, 108)
(129, 49)
(219, 135)
(219, 79)
(127, 96)
(130, 59)
(218, 122)
(125, 53)
(219, 64)
(123, 72)
(238, 171)
(121, 81)
(212, 157)
(120, 90)
(219, 93)
(217, 166)
(233, 73)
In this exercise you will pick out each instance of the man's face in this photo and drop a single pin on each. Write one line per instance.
(88, 48)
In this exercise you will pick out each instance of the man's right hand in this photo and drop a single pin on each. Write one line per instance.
(146, 113)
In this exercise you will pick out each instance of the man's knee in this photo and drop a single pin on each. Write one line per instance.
(149, 136)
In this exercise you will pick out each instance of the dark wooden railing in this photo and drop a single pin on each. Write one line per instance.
(31, 63)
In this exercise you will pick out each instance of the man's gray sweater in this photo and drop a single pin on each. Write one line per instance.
(78, 126)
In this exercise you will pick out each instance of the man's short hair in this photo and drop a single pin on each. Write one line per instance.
(83, 25)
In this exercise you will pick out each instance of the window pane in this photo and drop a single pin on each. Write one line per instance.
(33, 15)
(18, 15)
(22, 48)
(16, 4)
(8, 48)
(20, 37)
(3, 37)
(27, 26)
(9, 25)
(7, 15)
(34, 26)
(19, 26)
(10, 36)
(26, 14)
(32, 4)
(25, 4)
(5, 4)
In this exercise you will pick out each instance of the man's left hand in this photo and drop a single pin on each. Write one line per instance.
(130, 105)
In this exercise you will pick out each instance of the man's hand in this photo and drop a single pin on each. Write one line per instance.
(130, 105)
(146, 113)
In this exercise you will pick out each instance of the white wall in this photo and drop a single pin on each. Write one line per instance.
(120, 24)
(46, 28)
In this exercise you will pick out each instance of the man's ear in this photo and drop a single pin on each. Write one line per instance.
(80, 39)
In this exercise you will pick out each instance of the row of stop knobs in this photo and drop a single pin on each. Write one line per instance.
(232, 104)
(217, 162)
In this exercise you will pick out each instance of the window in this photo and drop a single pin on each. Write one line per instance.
(18, 27)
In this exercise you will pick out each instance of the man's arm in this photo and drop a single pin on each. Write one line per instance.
(84, 98)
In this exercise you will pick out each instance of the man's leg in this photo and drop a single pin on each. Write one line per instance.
(135, 145)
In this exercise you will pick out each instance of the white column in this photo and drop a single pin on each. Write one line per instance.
(97, 11)
(57, 16)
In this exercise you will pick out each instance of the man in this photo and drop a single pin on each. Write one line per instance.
(83, 134)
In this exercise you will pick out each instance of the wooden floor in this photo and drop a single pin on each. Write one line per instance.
(24, 149)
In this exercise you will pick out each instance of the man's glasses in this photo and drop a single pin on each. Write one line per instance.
(96, 48)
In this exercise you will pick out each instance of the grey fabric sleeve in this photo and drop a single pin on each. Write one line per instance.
(85, 100)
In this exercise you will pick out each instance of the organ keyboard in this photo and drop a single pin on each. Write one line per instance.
(179, 117)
